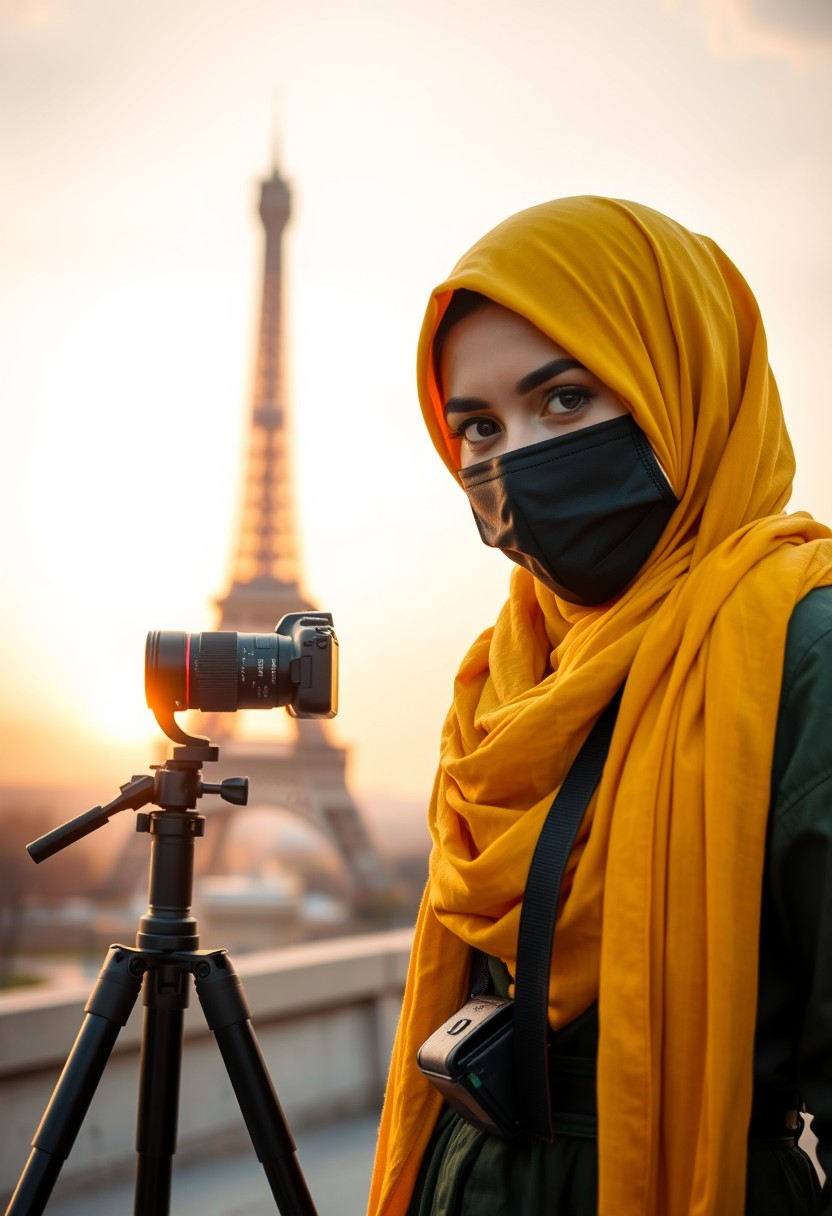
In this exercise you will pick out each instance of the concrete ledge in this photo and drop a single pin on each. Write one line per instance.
(324, 1014)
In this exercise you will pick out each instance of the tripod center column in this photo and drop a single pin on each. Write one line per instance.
(168, 924)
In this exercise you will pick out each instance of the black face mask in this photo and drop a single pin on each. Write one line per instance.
(581, 511)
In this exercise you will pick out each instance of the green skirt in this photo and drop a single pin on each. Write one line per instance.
(466, 1172)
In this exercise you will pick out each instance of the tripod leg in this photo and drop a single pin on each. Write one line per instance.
(227, 1013)
(166, 997)
(107, 1010)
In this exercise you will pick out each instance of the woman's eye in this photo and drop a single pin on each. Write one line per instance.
(568, 399)
(475, 430)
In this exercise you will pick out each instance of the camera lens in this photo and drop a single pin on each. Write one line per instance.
(217, 672)
(296, 666)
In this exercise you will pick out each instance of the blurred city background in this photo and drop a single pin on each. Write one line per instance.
(220, 228)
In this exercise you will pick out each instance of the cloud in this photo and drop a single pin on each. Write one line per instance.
(796, 30)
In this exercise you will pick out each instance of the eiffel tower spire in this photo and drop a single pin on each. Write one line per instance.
(265, 576)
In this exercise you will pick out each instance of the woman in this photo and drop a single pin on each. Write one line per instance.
(692, 954)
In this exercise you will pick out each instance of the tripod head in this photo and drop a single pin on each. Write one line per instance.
(176, 785)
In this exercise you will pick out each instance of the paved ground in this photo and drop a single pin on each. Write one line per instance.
(336, 1162)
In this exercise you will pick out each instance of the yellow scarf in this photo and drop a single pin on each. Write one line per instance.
(659, 919)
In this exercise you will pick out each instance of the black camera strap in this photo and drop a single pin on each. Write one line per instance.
(537, 925)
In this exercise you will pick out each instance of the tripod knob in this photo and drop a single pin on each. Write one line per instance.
(233, 789)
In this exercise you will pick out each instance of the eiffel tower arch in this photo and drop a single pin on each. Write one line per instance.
(306, 775)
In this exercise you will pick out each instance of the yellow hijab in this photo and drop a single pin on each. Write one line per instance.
(659, 919)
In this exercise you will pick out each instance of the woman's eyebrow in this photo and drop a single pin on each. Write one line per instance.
(463, 405)
(466, 405)
(546, 372)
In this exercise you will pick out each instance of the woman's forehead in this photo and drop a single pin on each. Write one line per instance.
(493, 339)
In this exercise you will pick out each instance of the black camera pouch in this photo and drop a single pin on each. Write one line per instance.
(490, 1060)
(470, 1060)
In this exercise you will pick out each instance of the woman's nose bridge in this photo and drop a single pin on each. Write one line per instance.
(520, 431)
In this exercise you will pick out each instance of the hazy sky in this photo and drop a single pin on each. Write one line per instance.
(132, 139)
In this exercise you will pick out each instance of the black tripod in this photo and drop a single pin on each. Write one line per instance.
(165, 955)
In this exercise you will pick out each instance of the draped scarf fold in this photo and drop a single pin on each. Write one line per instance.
(659, 913)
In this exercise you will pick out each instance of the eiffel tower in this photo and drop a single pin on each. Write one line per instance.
(305, 776)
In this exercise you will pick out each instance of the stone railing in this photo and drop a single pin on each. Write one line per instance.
(324, 1015)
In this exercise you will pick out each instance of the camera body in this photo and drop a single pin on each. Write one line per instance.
(296, 666)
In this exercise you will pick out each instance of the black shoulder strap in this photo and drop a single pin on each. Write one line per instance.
(537, 925)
